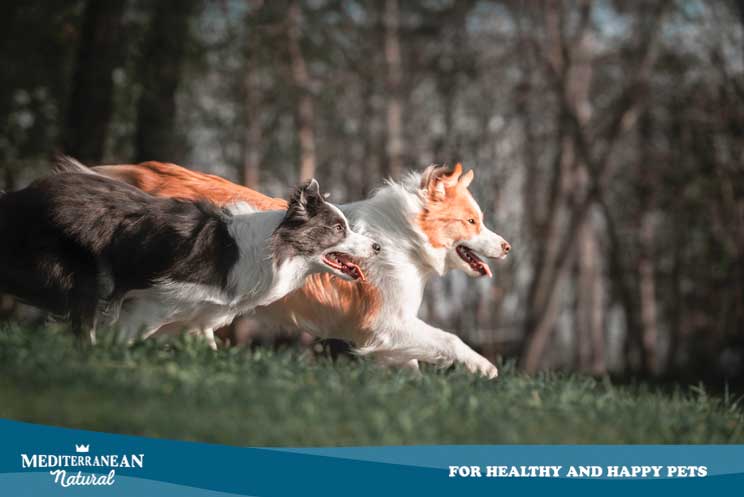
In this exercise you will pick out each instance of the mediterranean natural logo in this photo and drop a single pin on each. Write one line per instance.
(82, 468)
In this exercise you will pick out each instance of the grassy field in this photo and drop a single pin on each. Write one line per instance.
(185, 391)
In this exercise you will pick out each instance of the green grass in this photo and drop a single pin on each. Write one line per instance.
(263, 398)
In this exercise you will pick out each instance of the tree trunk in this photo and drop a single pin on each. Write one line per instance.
(677, 308)
(7, 85)
(647, 284)
(590, 284)
(91, 102)
(305, 110)
(393, 83)
(590, 301)
(542, 330)
(453, 58)
(252, 136)
(646, 263)
(543, 301)
(373, 144)
(532, 208)
(600, 166)
(161, 70)
(619, 276)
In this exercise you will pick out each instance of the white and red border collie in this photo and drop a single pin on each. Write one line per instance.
(429, 224)
(101, 251)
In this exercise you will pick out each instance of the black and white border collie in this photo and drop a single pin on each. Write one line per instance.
(99, 252)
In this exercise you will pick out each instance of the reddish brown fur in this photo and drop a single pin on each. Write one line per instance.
(170, 180)
(448, 209)
(331, 304)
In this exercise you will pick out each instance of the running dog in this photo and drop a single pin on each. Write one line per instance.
(99, 251)
(429, 223)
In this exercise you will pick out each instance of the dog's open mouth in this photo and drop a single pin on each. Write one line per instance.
(475, 263)
(344, 263)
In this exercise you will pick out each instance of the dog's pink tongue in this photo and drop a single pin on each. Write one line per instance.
(358, 271)
(484, 269)
(352, 269)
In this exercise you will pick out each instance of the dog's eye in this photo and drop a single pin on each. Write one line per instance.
(338, 227)
(471, 220)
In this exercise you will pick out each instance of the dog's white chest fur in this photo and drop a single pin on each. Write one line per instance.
(253, 281)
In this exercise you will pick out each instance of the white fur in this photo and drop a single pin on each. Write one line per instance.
(400, 272)
(254, 280)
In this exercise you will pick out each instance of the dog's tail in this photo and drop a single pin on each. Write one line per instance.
(66, 164)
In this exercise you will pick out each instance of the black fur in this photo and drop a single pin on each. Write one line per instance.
(73, 241)
(310, 225)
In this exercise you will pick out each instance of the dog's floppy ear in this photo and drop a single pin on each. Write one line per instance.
(305, 201)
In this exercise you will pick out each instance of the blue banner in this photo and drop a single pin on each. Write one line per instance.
(37, 460)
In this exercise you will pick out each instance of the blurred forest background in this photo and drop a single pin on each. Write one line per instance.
(607, 139)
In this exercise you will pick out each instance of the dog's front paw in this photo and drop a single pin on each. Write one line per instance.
(483, 367)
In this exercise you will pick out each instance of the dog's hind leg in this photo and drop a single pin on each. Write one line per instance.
(110, 301)
(209, 335)
(90, 323)
(84, 308)
(386, 359)
(140, 318)
(83, 323)
(412, 365)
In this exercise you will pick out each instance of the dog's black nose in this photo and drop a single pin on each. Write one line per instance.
(376, 247)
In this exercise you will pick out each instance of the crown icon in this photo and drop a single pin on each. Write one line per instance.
(82, 448)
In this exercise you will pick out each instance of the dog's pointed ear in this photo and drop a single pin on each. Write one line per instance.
(431, 183)
(466, 179)
(305, 201)
(450, 178)
(457, 171)
(436, 189)
(313, 197)
(312, 188)
(436, 179)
